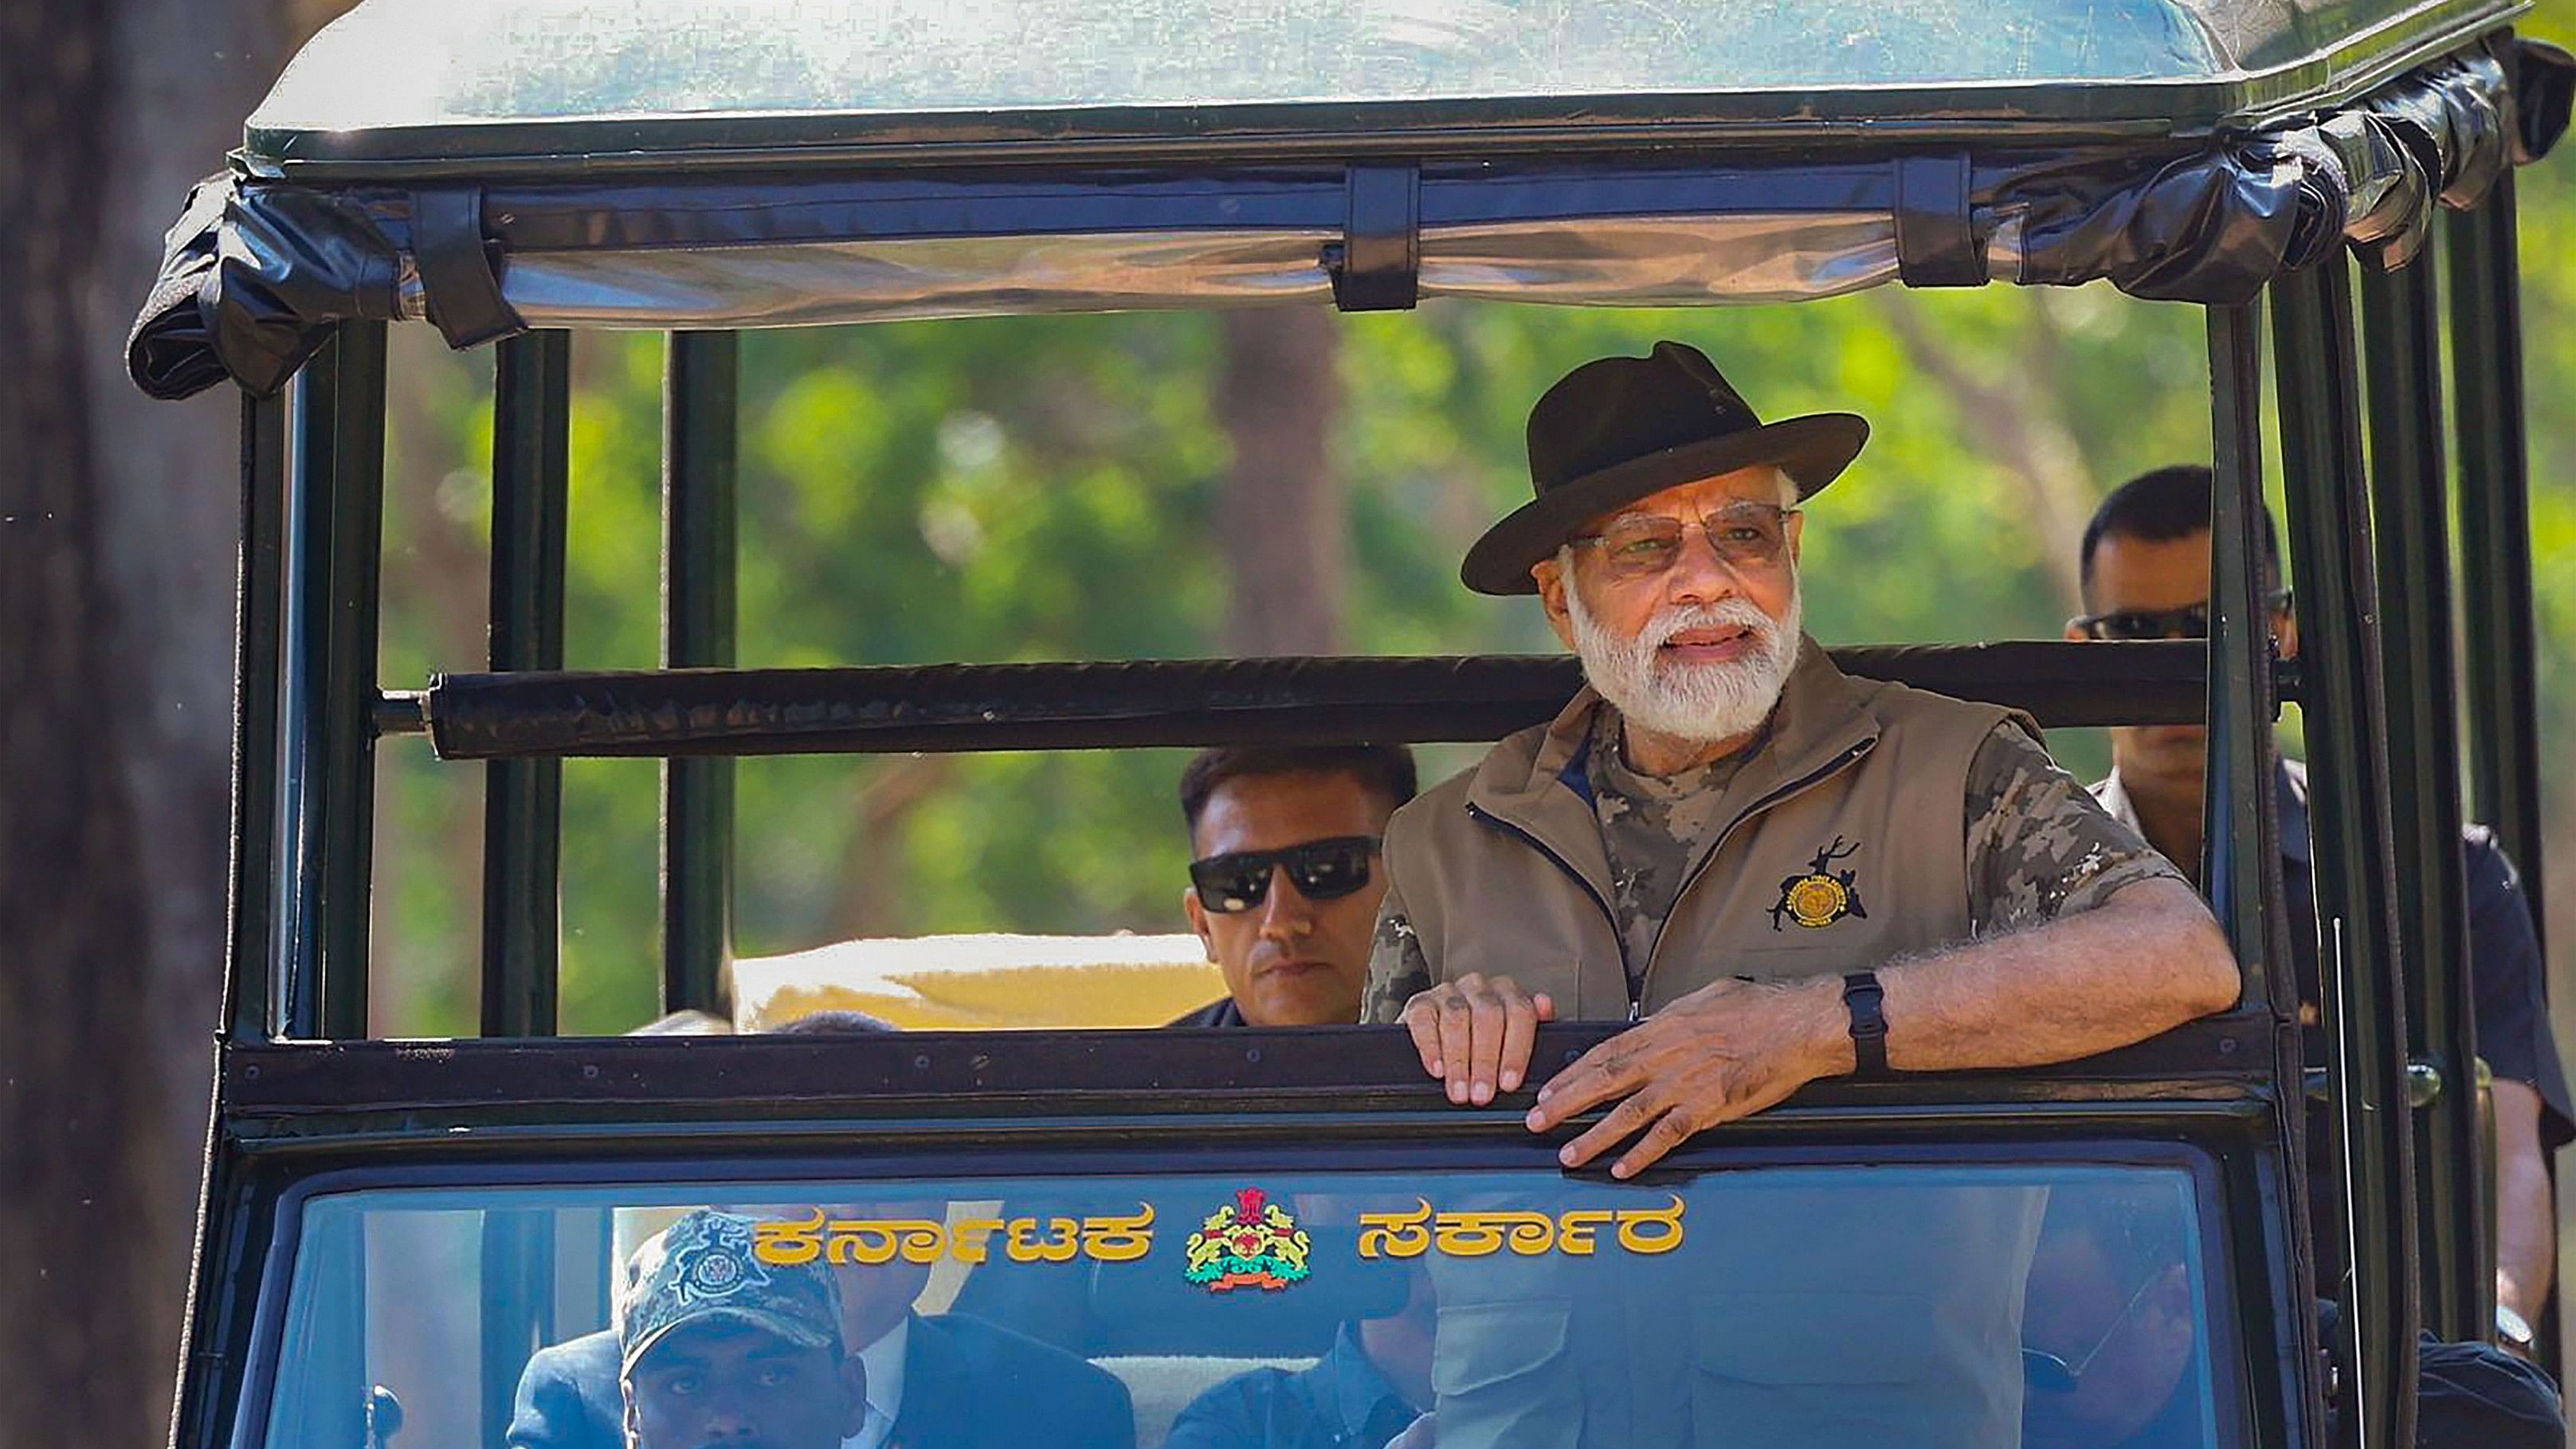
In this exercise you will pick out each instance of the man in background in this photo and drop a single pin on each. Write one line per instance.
(2146, 576)
(1285, 877)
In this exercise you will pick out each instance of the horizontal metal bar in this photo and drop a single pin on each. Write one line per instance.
(955, 1073)
(976, 707)
(402, 712)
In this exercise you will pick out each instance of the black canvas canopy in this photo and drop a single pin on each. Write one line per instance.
(491, 166)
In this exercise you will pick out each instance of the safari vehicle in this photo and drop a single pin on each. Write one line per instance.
(391, 1229)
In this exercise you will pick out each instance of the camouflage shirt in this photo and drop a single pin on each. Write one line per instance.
(2038, 847)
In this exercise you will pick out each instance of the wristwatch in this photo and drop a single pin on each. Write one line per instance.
(2513, 1330)
(1863, 997)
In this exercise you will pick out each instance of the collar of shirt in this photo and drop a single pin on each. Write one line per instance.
(884, 1362)
(1357, 1389)
(1605, 767)
(2290, 792)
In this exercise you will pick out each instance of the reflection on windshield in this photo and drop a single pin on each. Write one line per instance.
(2019, 1303)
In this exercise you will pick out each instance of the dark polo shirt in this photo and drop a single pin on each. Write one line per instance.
(2511, 1015)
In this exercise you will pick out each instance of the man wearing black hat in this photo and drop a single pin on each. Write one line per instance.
(1723, 833)
(1780, 873)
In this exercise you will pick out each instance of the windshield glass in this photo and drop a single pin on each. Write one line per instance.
(1949, 1304)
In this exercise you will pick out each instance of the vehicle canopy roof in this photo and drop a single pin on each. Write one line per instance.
(496, 165)
(464, 84)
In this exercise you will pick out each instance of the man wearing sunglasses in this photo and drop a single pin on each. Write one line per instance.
(1284, 878)
(2146, 576)
(1779, 873)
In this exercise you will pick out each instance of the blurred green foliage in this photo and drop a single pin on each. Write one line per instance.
(1048, 488)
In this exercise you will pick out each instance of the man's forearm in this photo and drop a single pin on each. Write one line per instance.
(2147, 959)
(2525, 1247)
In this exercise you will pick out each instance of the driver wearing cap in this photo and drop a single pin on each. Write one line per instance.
(716, 1346)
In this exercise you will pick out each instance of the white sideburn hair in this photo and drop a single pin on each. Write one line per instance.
(1696, 703)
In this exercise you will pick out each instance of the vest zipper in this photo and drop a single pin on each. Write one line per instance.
(1609, 917)
(1655, 949)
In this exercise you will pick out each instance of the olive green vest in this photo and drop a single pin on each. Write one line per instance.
(1848, 846)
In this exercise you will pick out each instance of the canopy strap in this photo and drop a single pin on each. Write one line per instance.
(1377, 265)
(457, 280)
(1935, 244)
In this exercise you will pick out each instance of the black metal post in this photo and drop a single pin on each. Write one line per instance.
(2359, 966)
(2485, 280)
(698, 521)
(2411, 504)
(2241, 827)
(328, 691)
(250, 985)
(523, 799)
(349, 685)
(297, 890)
(2241, 830)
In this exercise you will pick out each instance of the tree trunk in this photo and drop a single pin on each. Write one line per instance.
(1279, 515)
(117, 519)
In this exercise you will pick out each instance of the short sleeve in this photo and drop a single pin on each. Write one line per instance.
(2039, 845)
(1397, 968)
(2505, 982)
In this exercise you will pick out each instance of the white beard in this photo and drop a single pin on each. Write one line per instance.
(1698, 704)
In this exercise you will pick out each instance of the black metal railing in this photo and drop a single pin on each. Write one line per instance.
(2360, 966)
(2411, 505)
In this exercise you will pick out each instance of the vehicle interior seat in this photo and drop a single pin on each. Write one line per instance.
(982, 982)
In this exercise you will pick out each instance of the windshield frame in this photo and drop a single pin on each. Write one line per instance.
(2231, 1276)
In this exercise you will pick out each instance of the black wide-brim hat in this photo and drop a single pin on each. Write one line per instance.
(1621, 428)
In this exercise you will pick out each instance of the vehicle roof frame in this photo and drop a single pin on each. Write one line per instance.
(312, 531)
(506, 96)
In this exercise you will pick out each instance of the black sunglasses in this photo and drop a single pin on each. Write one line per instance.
(2191, 621)
(1324, 870)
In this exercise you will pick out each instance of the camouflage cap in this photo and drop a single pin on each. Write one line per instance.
(703, 1267)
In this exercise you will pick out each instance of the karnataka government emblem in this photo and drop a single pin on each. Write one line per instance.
(1251, 1242)
(1821, 896)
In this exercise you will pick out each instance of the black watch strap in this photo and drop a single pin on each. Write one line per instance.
(1864, 998)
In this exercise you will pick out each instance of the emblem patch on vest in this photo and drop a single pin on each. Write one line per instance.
(1822, 896)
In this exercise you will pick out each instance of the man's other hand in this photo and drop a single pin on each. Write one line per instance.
(1476, 1033)
(1727, 1050)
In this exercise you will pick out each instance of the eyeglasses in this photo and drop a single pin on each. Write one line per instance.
(1643, 545)
(2188, 622)
(1324, 870)
(2048, 1372)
